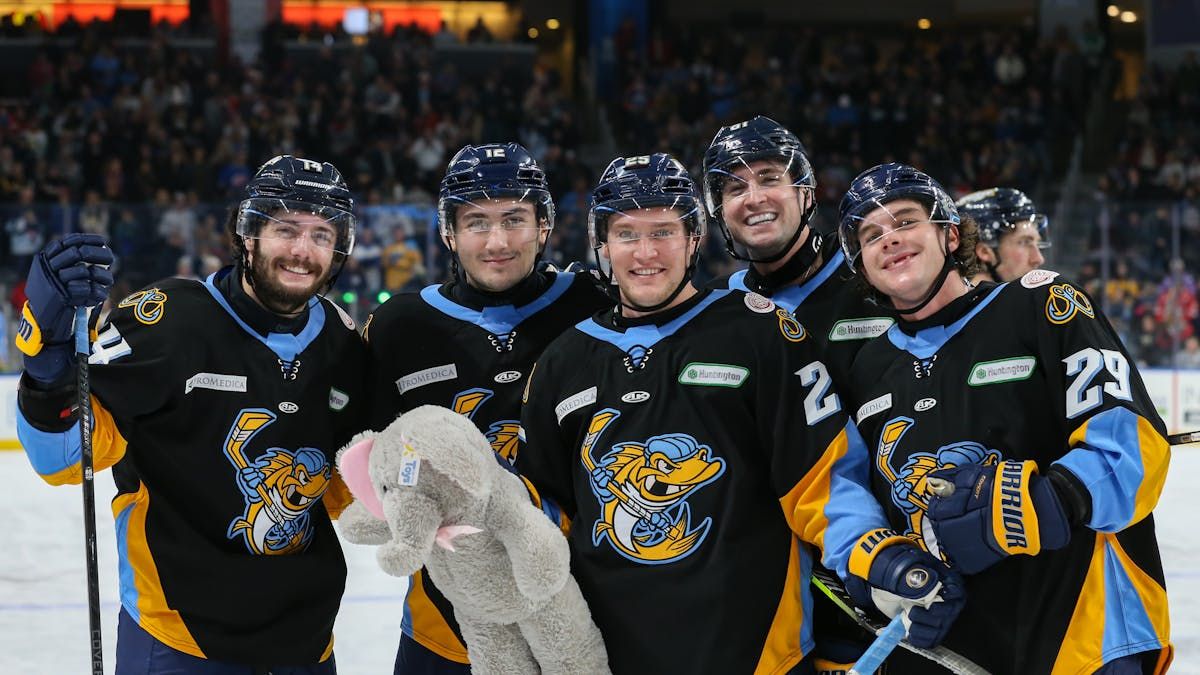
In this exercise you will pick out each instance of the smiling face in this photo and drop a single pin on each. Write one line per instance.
(497, 242)
(903, 254)
(761, 206)
(286, 267)
(650, 250)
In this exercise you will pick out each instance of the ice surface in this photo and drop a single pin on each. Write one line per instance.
(43, 594)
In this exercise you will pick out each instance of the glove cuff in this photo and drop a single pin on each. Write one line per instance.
(1027, 514)
(48, 407)
(869, 546)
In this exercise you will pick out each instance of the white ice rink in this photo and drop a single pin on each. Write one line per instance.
(43, 595)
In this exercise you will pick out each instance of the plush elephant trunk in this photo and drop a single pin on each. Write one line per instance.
(414, 521)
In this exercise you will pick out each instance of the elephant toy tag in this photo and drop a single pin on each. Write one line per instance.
(410, 466)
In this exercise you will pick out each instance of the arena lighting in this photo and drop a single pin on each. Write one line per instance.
(349, 297)
(1128, 17)
(532, 33)
(552, 24)
(1114, 11)
(383, 297)
(924, 24)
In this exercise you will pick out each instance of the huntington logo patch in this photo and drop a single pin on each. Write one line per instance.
(713, 375)
(337, 399)
(1004, 370)
(859, 329)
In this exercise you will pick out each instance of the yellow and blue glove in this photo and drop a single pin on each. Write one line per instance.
(893, 574)
(69, 273)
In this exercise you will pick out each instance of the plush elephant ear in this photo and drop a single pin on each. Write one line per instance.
(354, 463)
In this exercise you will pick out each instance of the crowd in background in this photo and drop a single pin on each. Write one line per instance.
(1150, 201)
(151, 147)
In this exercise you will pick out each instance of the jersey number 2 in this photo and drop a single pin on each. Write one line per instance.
(818, 406)
(1084, 365)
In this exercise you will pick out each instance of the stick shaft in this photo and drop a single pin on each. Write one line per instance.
(83, 384)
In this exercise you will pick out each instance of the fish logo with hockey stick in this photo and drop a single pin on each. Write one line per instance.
(502, 434)
(643, 490)
(279, 488)
(910, 484)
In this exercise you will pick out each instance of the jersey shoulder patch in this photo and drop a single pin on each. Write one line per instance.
(1036, 278)
(759, 304)
(346, 319)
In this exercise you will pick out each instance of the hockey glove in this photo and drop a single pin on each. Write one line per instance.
(893, 574)
(993, 512)
(71, 272)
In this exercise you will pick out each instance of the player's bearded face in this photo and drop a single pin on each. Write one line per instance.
(497, 242)
(649, 250)
(902, 252)
(287, 272)
(761, 206)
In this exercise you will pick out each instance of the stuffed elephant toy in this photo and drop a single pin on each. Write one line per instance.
(430, 492)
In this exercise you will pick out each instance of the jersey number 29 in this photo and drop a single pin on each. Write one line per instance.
(1084, 365)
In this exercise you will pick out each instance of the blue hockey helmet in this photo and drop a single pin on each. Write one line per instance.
(745, 142)
(288, 184)
(643, 182)
(492, 171)
(877, 186)
(999, 211)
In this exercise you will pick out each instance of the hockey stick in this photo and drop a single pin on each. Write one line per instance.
(83, 385)
(883, 645)
(832, 587)
(1183, 438)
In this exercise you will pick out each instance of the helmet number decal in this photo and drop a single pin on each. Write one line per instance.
(739, 125)
(309, 165)
(643, 160)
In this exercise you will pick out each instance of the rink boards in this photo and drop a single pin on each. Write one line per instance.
(1176, 393)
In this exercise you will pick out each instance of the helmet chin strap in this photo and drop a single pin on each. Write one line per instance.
(948, 264)
(782, 252)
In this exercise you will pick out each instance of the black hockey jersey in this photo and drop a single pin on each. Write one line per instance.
(694, 450)
(222, 439)
(1028, 370)
(828, 304)
(429, 348)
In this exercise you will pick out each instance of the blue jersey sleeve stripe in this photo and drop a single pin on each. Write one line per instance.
(129, 593)
(48, 452)
(851, 509)
(807, 642)
(1107, 457)
(1126, 622)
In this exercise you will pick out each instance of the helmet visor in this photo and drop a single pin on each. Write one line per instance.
(325, 227)
(478, 212)
(662, 212)
(742, 177)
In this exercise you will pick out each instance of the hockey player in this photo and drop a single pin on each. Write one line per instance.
(760, 188)
(667, 430)
(219, 405)
(470, 344)
(1012, 234)
(1012, 436)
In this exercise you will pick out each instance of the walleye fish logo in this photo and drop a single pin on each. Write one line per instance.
(910, 483)
(643, 490)
(501, 434)
(280, 487)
